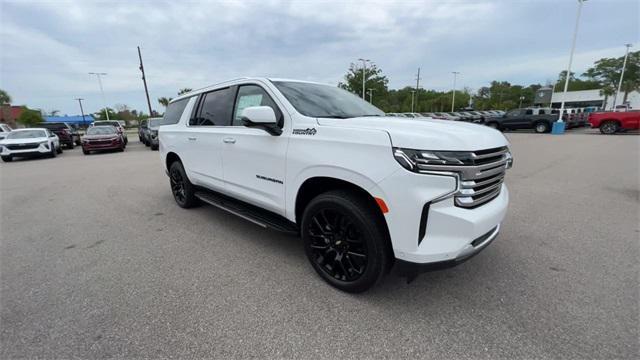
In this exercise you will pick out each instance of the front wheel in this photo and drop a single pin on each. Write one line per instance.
(7, 158)
(71, 145)
(181, 188)
(609, 127)
(345, 240)
(59, 149)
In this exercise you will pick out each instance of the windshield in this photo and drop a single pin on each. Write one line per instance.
(26, 134)
(155, 122)
(325, 101)
(54, 126)
(101, 130)
(106, 123)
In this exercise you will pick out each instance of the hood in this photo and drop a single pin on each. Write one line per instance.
(23, 141)
(427, 134)
(100, 136)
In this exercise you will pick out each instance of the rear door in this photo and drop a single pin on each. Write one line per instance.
(513, 118)
(204, 135)
(254, 160)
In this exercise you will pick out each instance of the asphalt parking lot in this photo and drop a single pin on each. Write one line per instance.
(97, 261)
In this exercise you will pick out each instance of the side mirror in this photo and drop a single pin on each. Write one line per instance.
(262, 117)
(52, 135)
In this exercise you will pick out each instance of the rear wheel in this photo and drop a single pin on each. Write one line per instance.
(541, 127)
(609, 127)
(345, 240)
(7, 158)
(59, 149)
(181, 188)
(86, 152)
(53, 151)
(71, 145)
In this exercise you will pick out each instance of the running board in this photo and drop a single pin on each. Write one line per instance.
(254, 214)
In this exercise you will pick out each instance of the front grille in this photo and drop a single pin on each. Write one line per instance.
(482, 181)
(481, 175)
(100, 142)
(22, 146)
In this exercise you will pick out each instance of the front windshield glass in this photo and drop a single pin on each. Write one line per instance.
(26, 134)
(155, 122)
(325, 101)
(101, 130)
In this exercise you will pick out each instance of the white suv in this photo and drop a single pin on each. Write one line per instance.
(367, 193)
(29, 142)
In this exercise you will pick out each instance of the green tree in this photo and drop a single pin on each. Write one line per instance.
(184, 91)
(607, 72)
(164, 101)
(100, 115)
(375, 80)
(29, 118)
(4, 97)
(576, 84)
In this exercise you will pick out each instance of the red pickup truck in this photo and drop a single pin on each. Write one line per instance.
(611, 122)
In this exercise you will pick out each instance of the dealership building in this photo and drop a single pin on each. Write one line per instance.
(584, 98)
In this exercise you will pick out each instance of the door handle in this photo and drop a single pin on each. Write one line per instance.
(192, 138)
(229, 140)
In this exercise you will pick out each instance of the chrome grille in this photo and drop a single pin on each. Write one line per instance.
(481, 175)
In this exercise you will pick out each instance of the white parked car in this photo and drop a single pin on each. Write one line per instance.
(4, 130)
(29, 142)
(367, 195)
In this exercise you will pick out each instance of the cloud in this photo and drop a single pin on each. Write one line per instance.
(47, 48)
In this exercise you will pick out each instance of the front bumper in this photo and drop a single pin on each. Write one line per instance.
(99, 146)
(40, 150)
(448, 233)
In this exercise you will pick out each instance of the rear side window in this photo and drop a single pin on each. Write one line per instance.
(529, 112)
(173, 113)
(215, 108)
(253, 95)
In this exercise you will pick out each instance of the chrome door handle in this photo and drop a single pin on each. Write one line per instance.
(229, 140)
(192, 138)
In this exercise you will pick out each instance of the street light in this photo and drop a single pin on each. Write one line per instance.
(106, 112)
(558, 126)
(521, 98)
(453, 100)
(624, 65)
(364, 75)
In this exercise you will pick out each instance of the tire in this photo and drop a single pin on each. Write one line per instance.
(86, 152)
(147, 143)
(71, 145)
(154, 147)
(7, 158)
(541, 127)
(493, 125)
(609, 127)
(53, 151)
(181, 188)
(328, 222)
(59, 149)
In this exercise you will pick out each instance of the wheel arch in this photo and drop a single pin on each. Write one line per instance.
(170, 158)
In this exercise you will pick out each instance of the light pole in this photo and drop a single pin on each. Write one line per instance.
(521, 98)
(558, 127)
(453, 100)
(624, 65)
(413, 93)
(364, 75)
(370, 91)
(82, 111)
(106, 112)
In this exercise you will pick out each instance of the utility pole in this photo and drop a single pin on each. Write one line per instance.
(370, 91)
(84, 123)
(624, 65)
(104, 102)
(560, 129)
(417, 86)
(521, 98)
(364, 75)
(144, 80)
(413, 93)
(453, 100)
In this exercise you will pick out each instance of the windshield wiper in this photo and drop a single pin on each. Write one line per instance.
(333, 117)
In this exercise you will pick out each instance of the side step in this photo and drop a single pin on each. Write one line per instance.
(249, 212)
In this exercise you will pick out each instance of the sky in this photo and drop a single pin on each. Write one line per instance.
(47, 48)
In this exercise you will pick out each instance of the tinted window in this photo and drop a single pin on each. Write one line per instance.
(215, 109)
(101, 130)
(253, 95)
(27, 134)
(54, 125)
(317, 100)
(513, 113)
(529, 112)
(174, 112)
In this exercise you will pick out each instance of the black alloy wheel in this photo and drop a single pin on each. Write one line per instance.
(181, 188)
(337, 245)
(345, 240)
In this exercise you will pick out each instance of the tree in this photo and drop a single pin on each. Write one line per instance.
(99, 115)
(607, 72)
(374, 80)
(164, 101)
(4, 97)
(29, 118)
(576, 84)
(184, 91)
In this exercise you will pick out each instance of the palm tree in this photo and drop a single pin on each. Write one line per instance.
(184, 91)
(164, 101)
(4, 97)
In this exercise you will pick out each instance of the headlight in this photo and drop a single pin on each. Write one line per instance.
(509, 158)
(409, 158)
(45, 143)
